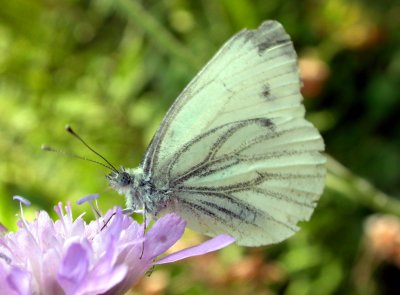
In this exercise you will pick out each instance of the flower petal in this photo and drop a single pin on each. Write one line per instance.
(96, 284)
(4, 271)
(50, 263)
(3, 229)
(105, 274)
(211, 245)
(19, 281)
(164, 233)
(74, 267)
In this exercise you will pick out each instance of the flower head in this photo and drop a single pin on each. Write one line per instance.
(382, 232)
(105, 256)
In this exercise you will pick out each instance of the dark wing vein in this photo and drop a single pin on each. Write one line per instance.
(213, 150)
(231, 213)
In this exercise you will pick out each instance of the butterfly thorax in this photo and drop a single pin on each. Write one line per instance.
(139, 190)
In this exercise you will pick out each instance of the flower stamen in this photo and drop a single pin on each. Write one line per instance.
(26, 202)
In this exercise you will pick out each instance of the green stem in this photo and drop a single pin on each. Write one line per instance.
(341, 180)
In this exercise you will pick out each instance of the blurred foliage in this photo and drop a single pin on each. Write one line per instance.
(111, 69)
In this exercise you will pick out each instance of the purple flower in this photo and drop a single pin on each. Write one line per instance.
(105, 256)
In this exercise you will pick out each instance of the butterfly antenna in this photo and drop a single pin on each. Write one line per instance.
(72, 132)
(51, 149)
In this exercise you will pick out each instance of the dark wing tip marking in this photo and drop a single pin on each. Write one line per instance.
(268, 35)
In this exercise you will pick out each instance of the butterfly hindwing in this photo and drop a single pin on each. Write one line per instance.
(258, 177)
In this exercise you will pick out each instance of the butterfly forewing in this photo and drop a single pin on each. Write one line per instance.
(253, 75)
(234, 150)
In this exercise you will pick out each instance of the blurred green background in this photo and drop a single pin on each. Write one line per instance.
(111, 69)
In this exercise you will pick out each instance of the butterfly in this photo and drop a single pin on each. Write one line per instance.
(234, 154)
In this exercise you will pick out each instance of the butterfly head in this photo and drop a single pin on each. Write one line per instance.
(120, 180)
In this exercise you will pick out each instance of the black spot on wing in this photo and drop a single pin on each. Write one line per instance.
(266, 92)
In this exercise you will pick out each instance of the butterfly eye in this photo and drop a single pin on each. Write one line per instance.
(123, 179)
(120, 179)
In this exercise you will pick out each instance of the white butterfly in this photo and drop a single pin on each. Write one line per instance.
(234, 153)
